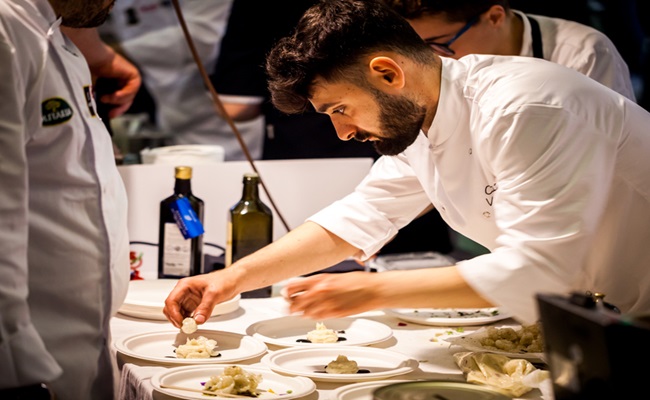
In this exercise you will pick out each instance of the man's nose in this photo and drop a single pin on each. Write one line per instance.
(344, 131)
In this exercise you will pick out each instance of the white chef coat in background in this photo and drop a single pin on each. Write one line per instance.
(149, 33)
(544, 167)
(579, 47)
(64, 255)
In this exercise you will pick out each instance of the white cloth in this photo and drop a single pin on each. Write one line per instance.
(544, 167)
(64, 255)
(149, 33)
(579, 47)
(135, 382)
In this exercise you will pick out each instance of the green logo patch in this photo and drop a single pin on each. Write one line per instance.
(55, 111)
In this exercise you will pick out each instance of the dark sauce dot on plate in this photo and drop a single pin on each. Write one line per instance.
(361, 371)
(340, 339)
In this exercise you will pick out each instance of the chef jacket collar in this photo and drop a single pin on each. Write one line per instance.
(452, 107)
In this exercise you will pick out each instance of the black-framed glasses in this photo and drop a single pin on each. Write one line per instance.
(443, 48)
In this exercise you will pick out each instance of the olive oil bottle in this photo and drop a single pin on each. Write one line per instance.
(250, 227)
(180, 240)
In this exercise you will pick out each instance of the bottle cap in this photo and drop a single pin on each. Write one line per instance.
(249, 175)
(183, 172)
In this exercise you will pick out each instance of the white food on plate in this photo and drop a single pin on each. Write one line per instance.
(189, 325)
(342, 366)
(234, 380)
(527, 339)
(200, 347)
(322, 334)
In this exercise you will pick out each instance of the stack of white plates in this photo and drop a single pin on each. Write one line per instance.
(146, 299)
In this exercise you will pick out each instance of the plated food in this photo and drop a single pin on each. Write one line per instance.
(199, 347)
(322, 334)
(189, 325)
(293, 331)
(342, 366)
(312, 362)
(234, 380)
(519, 342)
(162, 347)
(217, 381)
(448, 316)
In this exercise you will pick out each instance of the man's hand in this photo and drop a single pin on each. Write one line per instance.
(326, 296)
(104, 62)
(128, 79)
(197, 296)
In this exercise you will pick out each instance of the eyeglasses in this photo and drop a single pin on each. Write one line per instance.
(443, 48)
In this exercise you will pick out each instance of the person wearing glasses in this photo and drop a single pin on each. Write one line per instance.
(460, 27)
(545, 167)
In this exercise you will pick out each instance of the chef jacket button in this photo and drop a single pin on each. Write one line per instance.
(470, 150)
(487, 214)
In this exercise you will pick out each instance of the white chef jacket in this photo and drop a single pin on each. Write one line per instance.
(544, 167)
(149, 33)
(64, 261)
(579, 47)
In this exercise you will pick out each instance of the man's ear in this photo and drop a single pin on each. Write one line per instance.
(385, 71)
(496, 15)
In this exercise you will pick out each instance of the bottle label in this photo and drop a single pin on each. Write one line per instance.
(186, 219)
(177, 254)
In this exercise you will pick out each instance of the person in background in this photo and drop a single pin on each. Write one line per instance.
(105, 63)
(461, 27)
(543, 166)
(241, 81)
(149, 33)
(64, 251)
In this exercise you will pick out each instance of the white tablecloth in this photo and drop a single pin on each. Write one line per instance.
(414, 340)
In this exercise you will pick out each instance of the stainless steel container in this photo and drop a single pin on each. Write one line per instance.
(436, 390)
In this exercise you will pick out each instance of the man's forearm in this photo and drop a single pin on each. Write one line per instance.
(308, 248)
(441, 287)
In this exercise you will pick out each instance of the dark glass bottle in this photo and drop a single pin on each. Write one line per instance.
(179, 257)
(250, 227)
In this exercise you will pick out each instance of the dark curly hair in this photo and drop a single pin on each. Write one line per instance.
(330, 41)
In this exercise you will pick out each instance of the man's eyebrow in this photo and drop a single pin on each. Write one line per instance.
(323, 108)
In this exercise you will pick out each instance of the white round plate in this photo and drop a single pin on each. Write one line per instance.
(311, 362)
(146, 299)
(472, 342)
(159, 347)
(361, 390)
(287, 331)
(448, 316)
(273, 386)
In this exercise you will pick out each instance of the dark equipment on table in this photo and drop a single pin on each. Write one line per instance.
(593, 351)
